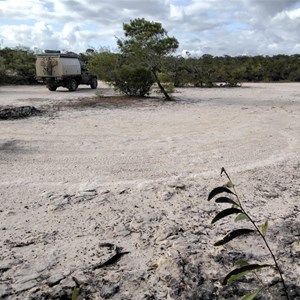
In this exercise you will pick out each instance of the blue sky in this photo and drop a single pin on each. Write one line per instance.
(231, 27)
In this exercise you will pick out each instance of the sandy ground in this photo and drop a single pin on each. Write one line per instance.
(137, 175)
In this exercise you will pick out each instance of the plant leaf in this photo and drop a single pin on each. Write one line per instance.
(251, 295)
(242, 271)
(226, 200)
(241, 217)
(229, 184)
(264, 228)
(241, 262)
(74, 294)
(224, 213)
(219, 190)
(233, 234)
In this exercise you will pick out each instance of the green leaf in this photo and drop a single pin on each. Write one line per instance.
(241, 262)
(264, 228)
(242, 271)
(229, 184)
(224, 213)
(251, 295)
(232, 235)
(241, 217)
(74, 294)
(219, 190)
(226, 200)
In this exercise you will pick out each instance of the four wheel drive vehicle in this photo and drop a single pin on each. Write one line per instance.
(56, 69)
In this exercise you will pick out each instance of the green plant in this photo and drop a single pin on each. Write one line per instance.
(231, 197)
(133, 81)
(74, 294)
(147, 44)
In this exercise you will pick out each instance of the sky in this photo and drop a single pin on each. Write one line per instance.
(215, 27)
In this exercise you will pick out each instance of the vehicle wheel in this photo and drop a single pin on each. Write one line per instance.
(94, 83)
(72, 85)
(52, 88)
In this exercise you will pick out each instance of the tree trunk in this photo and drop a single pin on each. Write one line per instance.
(167, 97)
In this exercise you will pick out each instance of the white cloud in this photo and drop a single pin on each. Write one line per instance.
(231, 27)
(294, 14)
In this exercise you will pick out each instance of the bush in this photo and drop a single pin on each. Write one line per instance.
(133, 81)
(294, 75)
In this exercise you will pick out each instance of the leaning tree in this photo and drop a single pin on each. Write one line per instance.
(146, 44)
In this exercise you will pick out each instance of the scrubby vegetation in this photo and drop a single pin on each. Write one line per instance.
(152, 50)
(17, 66)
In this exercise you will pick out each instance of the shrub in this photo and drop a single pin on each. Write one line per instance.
(133, 81)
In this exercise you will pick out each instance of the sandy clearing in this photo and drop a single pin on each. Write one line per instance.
(134, 176)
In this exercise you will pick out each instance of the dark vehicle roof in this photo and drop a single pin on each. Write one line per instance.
(59, 55)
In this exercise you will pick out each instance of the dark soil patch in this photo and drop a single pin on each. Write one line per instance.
(18, 112)
(110, 102)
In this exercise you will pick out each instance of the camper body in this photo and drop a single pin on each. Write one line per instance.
(56, 69)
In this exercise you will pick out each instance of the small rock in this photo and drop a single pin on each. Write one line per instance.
(55, 279)
(80, 278)
(18, 112)
(68, 283)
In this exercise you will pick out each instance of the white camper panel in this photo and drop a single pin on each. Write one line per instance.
(57, 66)
(69, 66)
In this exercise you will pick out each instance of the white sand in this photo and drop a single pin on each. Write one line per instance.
(134, 176)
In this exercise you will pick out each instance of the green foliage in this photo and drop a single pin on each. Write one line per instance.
(224, 213)
(74, 294)
(242, 271)
(17, 66)
(133, 81)
(232, 235)
(227, 71)
(145, 45)
(241, 217)
(237, 209)
(169, 88)
(264, 228)
(103, 64)
(251, 295)
(2, 69)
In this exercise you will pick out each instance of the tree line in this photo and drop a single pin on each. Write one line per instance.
(146, 55)
(208, 70)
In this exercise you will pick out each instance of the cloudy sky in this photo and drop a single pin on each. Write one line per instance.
(216, 27)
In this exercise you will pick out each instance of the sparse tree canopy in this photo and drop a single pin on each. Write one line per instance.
(146, 44)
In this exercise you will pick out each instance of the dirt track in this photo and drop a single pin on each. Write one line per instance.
(138, 176)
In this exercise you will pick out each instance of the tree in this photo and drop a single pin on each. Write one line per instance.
(145, 45)
(103, 64)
